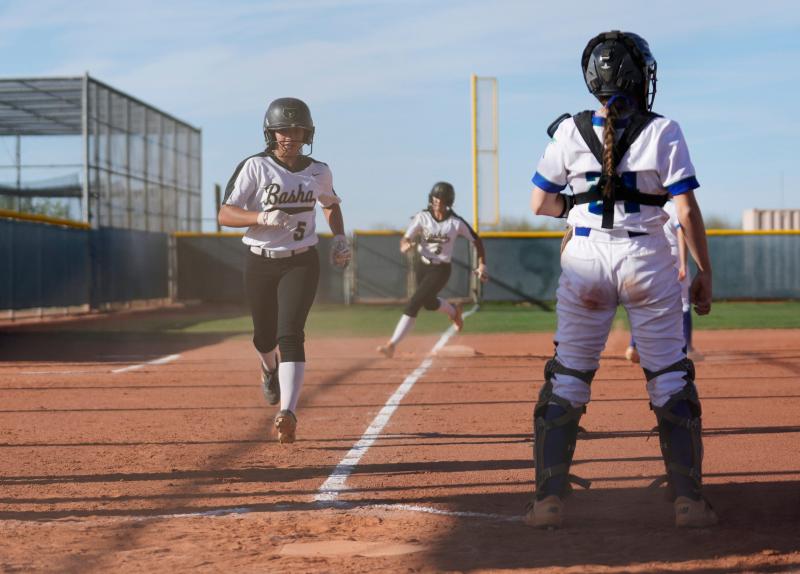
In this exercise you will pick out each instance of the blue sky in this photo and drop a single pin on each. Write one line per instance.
(388, 84)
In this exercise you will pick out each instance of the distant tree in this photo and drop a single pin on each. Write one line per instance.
(522, 223)
(718, 222)
(48, 208)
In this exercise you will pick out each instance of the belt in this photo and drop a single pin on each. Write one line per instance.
(273, 254)
(427, 261)
(584, 232)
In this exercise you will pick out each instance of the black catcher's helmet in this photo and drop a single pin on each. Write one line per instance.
(620, 63)
(288, 113)
(444, 191)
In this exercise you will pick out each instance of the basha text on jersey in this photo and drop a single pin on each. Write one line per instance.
(272, 195)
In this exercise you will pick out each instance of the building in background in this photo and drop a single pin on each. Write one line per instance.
(78, 149)
(771, 219)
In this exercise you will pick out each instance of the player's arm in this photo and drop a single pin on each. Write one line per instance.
(682, 261)
(466, 231)
(232, 216)
(694, 230)
(550, 180)
(410, 236)
(340, 254)
(480, 271)
(552, 204)
(333, 215)
(239, 194)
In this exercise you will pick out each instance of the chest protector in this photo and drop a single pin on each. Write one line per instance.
(619, 192)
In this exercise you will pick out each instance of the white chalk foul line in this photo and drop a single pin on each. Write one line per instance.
(159, 361)
(336, 482)
(442, 512)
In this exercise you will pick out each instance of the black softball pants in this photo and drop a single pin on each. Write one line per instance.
(430, 280)
(280, 293)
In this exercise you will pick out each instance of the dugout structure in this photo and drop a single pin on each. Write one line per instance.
(79, 149)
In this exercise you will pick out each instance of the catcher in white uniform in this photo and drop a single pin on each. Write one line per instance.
(274, 195)
(677, 244)
(435, 230)
(621, 164)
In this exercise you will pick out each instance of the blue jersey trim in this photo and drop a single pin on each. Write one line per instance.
(683, 186)
(600, 121)
(545, 184)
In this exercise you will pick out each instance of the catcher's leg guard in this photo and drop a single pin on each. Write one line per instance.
(680, 435)
(555, 425)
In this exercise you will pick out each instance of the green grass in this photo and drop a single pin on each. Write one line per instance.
(376, 320)
(751, 315)
(379, 320)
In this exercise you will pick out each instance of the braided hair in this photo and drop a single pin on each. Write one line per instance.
(615, 107)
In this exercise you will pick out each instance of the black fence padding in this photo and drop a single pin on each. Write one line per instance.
(128, 265)
(211, 268)
(43, 265)
(522, 269)
(381, 270)
(755, 266)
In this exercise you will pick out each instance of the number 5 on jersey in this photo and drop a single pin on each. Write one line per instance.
(299, 231)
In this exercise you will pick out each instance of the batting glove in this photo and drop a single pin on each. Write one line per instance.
(275, 219)
(340, 252)
(482, 274)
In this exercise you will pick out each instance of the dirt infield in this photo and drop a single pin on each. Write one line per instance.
(170, 466)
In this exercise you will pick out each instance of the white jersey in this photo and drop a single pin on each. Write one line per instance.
(657, 163)
(438, 238)
(263, 183)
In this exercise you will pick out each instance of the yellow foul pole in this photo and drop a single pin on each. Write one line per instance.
(474, 99)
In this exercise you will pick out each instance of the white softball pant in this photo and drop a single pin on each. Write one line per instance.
(599, 272)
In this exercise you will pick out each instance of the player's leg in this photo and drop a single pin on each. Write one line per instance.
(261, 287)
(631, 353)
(435, 281)
(686, 304)
(296, 291)
(427, 278)
(656, 320)
(587, 302)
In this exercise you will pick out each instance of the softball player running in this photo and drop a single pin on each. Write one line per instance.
(274, 195)
(677, 244)
(435, 230)
(621, 162)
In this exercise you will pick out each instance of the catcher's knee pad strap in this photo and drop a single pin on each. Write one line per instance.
(684, 365)
(553, 367)
(681, 439)
(559, 432)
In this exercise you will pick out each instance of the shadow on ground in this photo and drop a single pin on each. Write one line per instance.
(625, 527)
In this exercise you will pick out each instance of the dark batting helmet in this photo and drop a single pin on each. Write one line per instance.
(288, 113)
(620, 63)
(444, 191)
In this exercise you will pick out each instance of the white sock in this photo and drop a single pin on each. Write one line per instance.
(446, 308)
(404, 326)
(291, 379)
(270, 359)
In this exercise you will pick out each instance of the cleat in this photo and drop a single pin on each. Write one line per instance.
(286, 425)
(694, 513)
(458, 319)
(386, 350)
(270, 385)
(545, 513)
(632, 354)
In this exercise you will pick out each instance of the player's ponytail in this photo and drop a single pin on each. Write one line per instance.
(614, 107)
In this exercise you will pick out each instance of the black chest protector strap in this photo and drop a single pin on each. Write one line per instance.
(638, 121)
